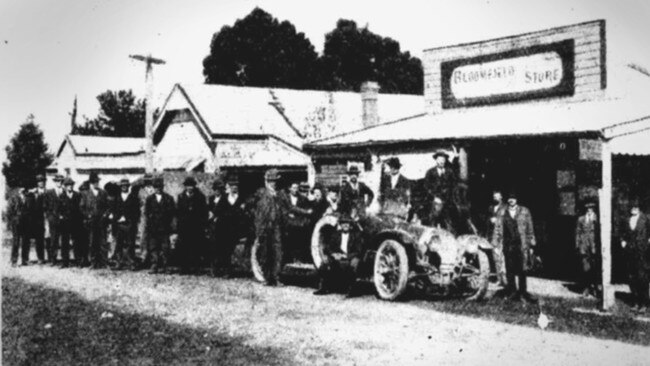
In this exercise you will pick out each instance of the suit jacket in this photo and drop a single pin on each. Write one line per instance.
(492, 216)
(394, 199)
(587, 236)
(51, 203)
(159, 214)
(271, 210)
(128, 209)
(637, 239)
(296, 215)
(191, 213)
(94, 208)
(69, 210)
(38, 212)
(20, 213)
(227, 215)
(525, 229)
(354, 248)
(440, 185)
(359, 198)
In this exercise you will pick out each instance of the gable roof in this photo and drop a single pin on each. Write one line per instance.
(104, 146)
(294, 116)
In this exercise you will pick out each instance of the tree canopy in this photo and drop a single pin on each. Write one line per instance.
(27, 155)
(121, 114)
(259, 50)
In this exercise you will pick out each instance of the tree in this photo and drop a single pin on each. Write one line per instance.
(353, 55)
(27, 155)
(121, 114)
(258, 50)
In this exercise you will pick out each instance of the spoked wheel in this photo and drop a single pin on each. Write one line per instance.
(391, 270)
(257, 261)
(474, 275)
(322, 233)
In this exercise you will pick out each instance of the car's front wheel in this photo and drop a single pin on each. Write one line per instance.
(257, 261)
(391, 270)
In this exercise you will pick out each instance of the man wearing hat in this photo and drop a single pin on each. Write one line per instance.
(297, 224)
(37, 231)
(356, 196)
(514, 233)
(192, 216)
(231, 219)
(342, 255)
(51, 201)
(69, 224)
(441, 180)
(19, 211)
(94, 208)
(587, 236)
(124, 216)
(216, 227)
(635, 240)
(159, 208)
(144, 192)
(395, 190)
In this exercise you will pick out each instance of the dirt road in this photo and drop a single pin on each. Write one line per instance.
(332, 330)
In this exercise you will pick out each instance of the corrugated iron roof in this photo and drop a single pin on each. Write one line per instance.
(258, 153)
(101, 145)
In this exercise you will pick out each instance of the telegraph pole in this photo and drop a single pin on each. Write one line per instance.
(148, 124)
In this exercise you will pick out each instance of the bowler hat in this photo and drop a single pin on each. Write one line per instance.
(148, 178)
(58, 178)
(232, 180)
(304, 187)
(353, 170)
(158, 182)
(68, 181)
(635, 202)
(40, 178)
(440, 153)
(93, 178)
(394, 163)
(346, 219)
(125, 182)
(590, 204)
(189, 182)
(271, 175)
(512, 194)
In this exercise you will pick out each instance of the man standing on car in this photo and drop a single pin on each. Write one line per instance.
(355, 195)
(192, 216)
(635, 239)
(51, 202)
(342, 256)
(440, 181)
(394, 190)
(159, 208)
(94, 207)
(514, 233)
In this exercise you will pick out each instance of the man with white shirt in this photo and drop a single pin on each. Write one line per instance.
(124, 216)
(341, 260)
(394, 190)
(38, 218)
(440, 181)
(635, 239)
(297, 224)
(159, 208)
(69, 224)
(94, 207)
(587, 235)
(355, 195)
(51, 202)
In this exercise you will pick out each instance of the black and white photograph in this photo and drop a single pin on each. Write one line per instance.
(281, 182)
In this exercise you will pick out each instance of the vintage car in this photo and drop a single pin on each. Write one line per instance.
(398, 254)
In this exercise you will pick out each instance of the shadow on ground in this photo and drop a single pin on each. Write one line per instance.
(45, 326)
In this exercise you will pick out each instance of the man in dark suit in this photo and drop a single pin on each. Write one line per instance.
(356, 196)
(37, 231)
(216, 227)
(635, 239)
(94, 208)
(587, 237)
(159, 208)
(20, 211)
(230, 220)
(395, 190)
(342, 258)
(192, 216)
(297, 223)
(51, 202)
(124, 216)
(440, 181)
(70, 221)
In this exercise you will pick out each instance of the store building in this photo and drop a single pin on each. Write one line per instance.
(541, 113)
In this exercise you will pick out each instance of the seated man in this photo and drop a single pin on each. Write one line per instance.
(342, 257)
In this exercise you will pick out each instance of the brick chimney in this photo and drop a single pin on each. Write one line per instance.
(369, 96)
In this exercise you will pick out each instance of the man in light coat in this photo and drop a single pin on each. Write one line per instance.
(514, 232)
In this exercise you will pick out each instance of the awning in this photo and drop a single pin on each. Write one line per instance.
(259, 153)
(632, 144)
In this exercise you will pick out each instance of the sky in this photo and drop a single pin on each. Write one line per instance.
(54, 50)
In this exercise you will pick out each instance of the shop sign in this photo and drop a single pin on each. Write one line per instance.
(534, 72)
(590, 149)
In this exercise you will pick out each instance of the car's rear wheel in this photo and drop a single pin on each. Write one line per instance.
(257, 261)
(323, 230)
(391, 269)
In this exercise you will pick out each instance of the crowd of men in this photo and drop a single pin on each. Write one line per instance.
(206, 230)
